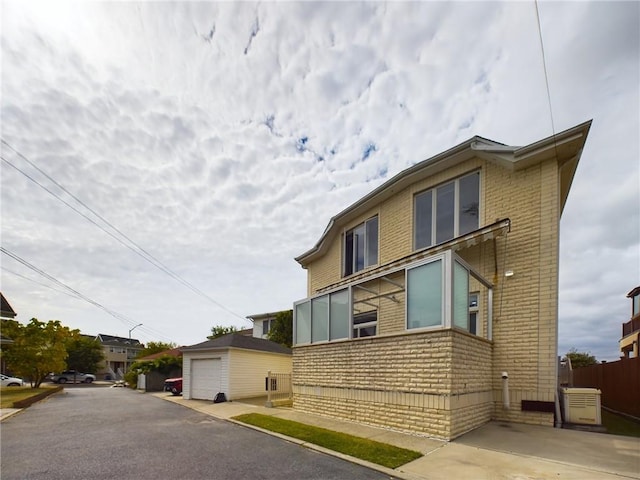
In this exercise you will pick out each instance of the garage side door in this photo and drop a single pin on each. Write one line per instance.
(205, 378)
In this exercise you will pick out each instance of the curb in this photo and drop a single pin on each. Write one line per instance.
(10, 413)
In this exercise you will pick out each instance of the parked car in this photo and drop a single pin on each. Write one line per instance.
(71, 376)
(11, 381)
(173, 385)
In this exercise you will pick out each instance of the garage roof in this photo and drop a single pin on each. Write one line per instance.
(236, 340)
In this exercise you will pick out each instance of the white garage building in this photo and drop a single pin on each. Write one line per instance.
(234, 364)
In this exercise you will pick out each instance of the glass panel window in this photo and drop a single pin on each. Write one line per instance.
(469, 203)
(361, 246)
(303, 322)
(339, 315)
(473, 313)
(447, 211)
(320, 319)
(424, 295)
(636, 305)
(358, 240)
(371, 251)
(348, 253)
(423, 219)
(265, 327)
(460, 296)
(365, 324)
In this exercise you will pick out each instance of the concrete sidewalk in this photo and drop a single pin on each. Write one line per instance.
(493, 451)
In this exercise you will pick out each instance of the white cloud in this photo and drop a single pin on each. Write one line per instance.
(226, 165)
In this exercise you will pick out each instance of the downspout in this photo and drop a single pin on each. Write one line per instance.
(505, 390)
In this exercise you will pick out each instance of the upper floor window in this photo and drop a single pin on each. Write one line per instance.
(447, 211)
(361, 246)
(266, 327)
(636, 305)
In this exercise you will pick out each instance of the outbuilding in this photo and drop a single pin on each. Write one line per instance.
(235, 365)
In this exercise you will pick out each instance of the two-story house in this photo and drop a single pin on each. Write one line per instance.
(429, 290)
(631, 329)
(119, 354)
(262, 323)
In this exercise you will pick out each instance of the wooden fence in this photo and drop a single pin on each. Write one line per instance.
(618, 381)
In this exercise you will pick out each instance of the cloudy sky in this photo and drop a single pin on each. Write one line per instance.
(168, 160)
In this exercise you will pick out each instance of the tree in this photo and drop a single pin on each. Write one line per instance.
(37, 349)
(164, 364)
(281, 330)
(219, 331)
(84, 354)
(581, 359)
(156, 347)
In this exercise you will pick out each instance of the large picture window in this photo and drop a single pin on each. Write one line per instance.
(425, 296)
(447, 211)
(361, 246)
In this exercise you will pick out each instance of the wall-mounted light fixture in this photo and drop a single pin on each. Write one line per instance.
(508, 273)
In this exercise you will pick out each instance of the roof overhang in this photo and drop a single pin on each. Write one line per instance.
(566, 147)
(263, 316)
(633, 292)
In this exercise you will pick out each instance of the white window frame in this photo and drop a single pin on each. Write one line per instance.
(448, 257)
(434, 206)
(368, 261)
(328, 319)
(361, 326)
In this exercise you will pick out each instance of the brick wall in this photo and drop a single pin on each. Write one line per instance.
(404, 382)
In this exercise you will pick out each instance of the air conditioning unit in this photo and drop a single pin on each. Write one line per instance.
(581, 405)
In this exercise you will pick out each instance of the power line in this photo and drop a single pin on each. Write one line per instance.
(138, 250)
(546, 75)
(37, 283)
(127, 321)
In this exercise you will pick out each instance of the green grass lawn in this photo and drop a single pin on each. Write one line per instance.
(8, 395)
(369, 450)
(619, 425)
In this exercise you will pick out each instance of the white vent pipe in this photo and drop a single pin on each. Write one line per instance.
(505, 390)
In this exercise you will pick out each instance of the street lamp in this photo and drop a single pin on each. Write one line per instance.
(126, 363)
(138, 325)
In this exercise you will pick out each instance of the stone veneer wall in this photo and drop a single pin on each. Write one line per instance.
(436, 383)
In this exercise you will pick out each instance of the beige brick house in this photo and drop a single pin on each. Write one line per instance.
(422, 293)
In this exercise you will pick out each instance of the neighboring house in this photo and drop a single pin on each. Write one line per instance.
(119, 354)
(262, 323)
(247, 332)
(6, 313)
(154, 381)
(631, 329)
(234, 364)
(422, 293)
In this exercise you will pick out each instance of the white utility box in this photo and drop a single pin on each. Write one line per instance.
(582, 406)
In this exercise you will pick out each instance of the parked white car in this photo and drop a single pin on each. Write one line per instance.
(11, 381)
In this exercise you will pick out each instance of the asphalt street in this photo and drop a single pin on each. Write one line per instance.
(117, 433)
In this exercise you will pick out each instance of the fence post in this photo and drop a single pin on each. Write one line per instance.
(269, 387)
